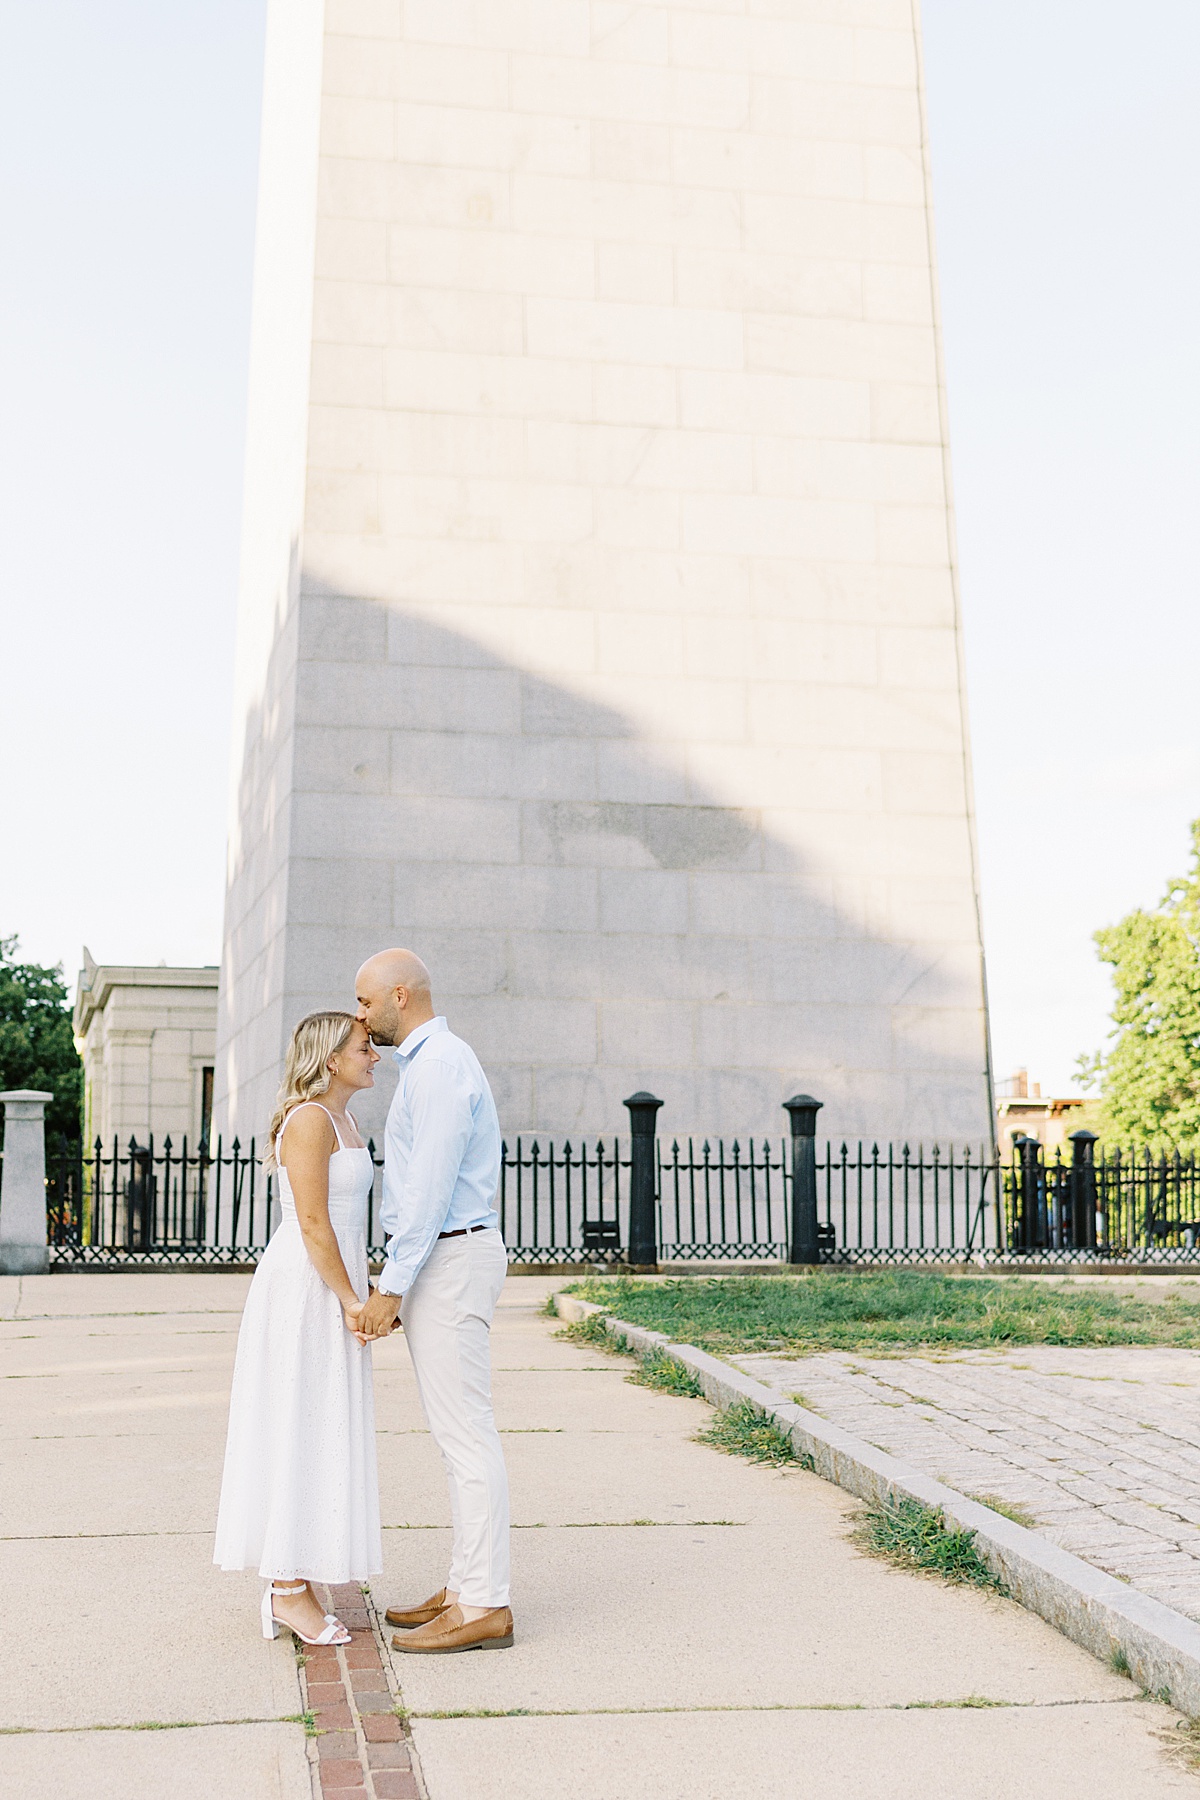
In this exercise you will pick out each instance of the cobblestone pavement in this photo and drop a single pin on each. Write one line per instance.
(1100, 1447)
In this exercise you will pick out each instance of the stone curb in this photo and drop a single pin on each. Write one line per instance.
(1160, 1646)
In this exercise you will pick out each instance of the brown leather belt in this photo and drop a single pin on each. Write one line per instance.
(463, 1232)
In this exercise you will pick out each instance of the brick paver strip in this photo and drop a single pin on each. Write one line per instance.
(381, 1728)
(1161, 1646)
(336, 1746)
(361, 1749)
(396, 1784)
(335, 1776)
(388, 1756)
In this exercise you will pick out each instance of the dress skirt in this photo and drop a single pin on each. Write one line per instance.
(300, 1493)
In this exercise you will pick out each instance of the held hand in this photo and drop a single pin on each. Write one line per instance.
(352, 1315)
(379, 1314)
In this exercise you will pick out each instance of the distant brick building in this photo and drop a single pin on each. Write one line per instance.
(1023, 1111)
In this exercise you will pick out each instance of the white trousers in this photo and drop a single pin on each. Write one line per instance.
(447, 1316)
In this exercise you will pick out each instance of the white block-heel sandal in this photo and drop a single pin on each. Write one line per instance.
(334, 1633)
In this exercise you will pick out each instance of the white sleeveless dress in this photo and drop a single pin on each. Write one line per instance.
(300, 1492)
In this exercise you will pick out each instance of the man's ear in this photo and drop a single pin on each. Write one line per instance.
(402, 998)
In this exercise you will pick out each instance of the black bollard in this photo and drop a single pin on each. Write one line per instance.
(643, 1198)
(802, 1110)
(1083, 1190)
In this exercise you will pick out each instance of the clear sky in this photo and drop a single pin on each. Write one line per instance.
(1066, 150)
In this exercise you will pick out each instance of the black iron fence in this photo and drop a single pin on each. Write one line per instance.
(642, 1200)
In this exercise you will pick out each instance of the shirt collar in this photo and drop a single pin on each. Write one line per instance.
(415, 1039)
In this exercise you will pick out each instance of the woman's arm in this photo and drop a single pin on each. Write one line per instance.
(306, 1151)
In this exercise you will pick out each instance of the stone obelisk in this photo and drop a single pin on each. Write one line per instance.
(599, 632)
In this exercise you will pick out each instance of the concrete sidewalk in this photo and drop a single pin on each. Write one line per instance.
(115, 1389)
(689, 1626)
(694, 1627)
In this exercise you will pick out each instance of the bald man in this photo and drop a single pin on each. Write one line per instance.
(446, 1264)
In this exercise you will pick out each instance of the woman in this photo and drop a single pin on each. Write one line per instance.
(300, 1494)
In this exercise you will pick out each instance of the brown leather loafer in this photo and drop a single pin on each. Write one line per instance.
(449, 1632)
(407, 1617)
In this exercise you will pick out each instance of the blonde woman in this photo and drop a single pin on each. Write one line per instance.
(300, 1493)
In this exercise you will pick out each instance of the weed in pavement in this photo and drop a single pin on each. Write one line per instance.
(655, 1370)
(917, 1537)
(591, 1330)
(742, 1430)
(1020, 1515)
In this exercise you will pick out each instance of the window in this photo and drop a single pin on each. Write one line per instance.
(206, 1104)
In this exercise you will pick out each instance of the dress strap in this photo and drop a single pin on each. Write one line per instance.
(337, 1134)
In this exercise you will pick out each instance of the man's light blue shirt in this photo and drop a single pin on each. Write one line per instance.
(441, 1167)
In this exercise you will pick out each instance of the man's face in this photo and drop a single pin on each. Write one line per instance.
(379, 1011)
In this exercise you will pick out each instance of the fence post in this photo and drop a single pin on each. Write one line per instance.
(23, 1185)
(802, 1111)
(643, 1223)
(1031, 1232)
(1083, 1190)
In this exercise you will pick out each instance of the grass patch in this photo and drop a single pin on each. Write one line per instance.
(1020, 1515)
(742, 1430)
(655, 1370)
(917, 1537)
(888, 1310)
(592, 1331)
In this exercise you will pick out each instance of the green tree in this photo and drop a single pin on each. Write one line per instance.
(37, 1049)
(1150, 1078)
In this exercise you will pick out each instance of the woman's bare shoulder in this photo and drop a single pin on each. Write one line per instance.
(307, 1129)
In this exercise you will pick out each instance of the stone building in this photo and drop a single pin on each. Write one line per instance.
(147, 1038)
(599, 631)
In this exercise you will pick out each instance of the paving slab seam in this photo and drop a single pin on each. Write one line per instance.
(970, 1703)
(1160, 1646)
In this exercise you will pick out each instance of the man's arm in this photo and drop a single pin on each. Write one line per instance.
(439, 1102)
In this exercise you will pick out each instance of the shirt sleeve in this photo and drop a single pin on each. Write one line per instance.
(439, 1104)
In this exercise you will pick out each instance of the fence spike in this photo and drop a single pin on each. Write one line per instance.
(236, 1146)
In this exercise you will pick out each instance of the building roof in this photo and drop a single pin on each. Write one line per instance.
(97, 980)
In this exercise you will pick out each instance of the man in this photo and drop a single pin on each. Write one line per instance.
(446, 1264)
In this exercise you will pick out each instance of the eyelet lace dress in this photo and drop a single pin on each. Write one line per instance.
(300, 1492)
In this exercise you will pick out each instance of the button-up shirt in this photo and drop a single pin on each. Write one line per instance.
(441, 1165)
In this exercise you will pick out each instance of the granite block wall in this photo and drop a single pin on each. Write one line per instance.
(600, 633)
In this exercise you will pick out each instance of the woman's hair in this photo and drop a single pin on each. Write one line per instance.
(305, 1075)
